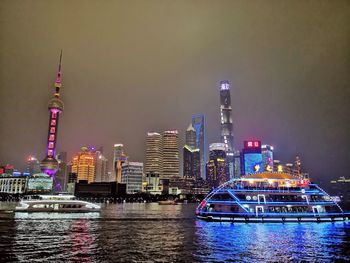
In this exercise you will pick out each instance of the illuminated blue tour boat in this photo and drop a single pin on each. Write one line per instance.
(270, 197)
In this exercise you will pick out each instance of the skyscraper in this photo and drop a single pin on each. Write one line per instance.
(170, 154)
(101, 167)
(154, 155)
(198, 123)
(216, 166)
(50, 165)
(132, 173)
(191, 136)
(252, 161)
(33, 165)
(191, 163)
(267, 157)
(227, 126)
(83, 165)
(62, 172)
(118, 159)
(191, 155)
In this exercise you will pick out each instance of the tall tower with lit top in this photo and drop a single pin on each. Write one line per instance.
(50, 165)
(227, 126)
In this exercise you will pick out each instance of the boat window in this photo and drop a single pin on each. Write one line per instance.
(39, 206)
(221, 197)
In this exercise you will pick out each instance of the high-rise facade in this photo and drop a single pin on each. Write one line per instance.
(191, 155)
(198, 123)
(216, 166)
(119, 157)
(62, 173)
(227, 126)
(191, 163)
(154, 155)
(267, 157)
(49, 164)
(101, 167)
(170, 151)
(83, 165)
(252, 161)
(132, 173)
(33, 165)
(191, 136)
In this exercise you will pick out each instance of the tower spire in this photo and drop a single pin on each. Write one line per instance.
(58, 82)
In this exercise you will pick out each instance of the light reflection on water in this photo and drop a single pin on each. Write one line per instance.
(311, 242)
(153, 233)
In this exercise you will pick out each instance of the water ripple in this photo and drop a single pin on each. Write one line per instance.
(152, 233)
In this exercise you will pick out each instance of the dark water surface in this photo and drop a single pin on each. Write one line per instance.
(154, 233)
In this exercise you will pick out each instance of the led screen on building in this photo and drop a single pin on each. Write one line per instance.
(253, 163)
(39, 184)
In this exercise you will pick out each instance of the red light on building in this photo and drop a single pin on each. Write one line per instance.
(252, 144)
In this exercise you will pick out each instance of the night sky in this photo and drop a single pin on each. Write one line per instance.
(135, 66)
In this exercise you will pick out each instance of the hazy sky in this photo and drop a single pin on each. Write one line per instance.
(135, 66)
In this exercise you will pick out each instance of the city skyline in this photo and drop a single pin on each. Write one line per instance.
(284, 91)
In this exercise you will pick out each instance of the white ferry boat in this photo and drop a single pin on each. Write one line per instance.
(56, 203)
(270, 197)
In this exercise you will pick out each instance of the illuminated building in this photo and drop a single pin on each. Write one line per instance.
(216, 166)
(181, 185)
(252, 161)
(297, 165)
(170, 151)
(101, 169)
(50, 165)
(7, 169)
(154, 156)
(12, 184)
(132, 173)
(83, 165)
(118, 159)
(288, 168)
(191, 137)
(40, 183)
(277, 167)
(198, 123)
(191, 156)
(62, 173)
(267, 157)
(33, 165)
(153, 185)
(191, 163)
(237, 164)
(227, 126)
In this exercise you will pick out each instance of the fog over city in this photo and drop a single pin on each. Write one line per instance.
(130, 67)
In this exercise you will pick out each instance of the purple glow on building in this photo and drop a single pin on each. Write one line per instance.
(50, 165)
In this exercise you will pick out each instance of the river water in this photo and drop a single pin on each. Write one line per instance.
(148, 232)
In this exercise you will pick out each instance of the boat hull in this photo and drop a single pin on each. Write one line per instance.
(38, 210)
(273, 218)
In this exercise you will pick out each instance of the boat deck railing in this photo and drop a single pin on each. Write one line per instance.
(270, 214)
(241, 203)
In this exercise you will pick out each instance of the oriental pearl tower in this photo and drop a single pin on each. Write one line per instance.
(50, 165)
